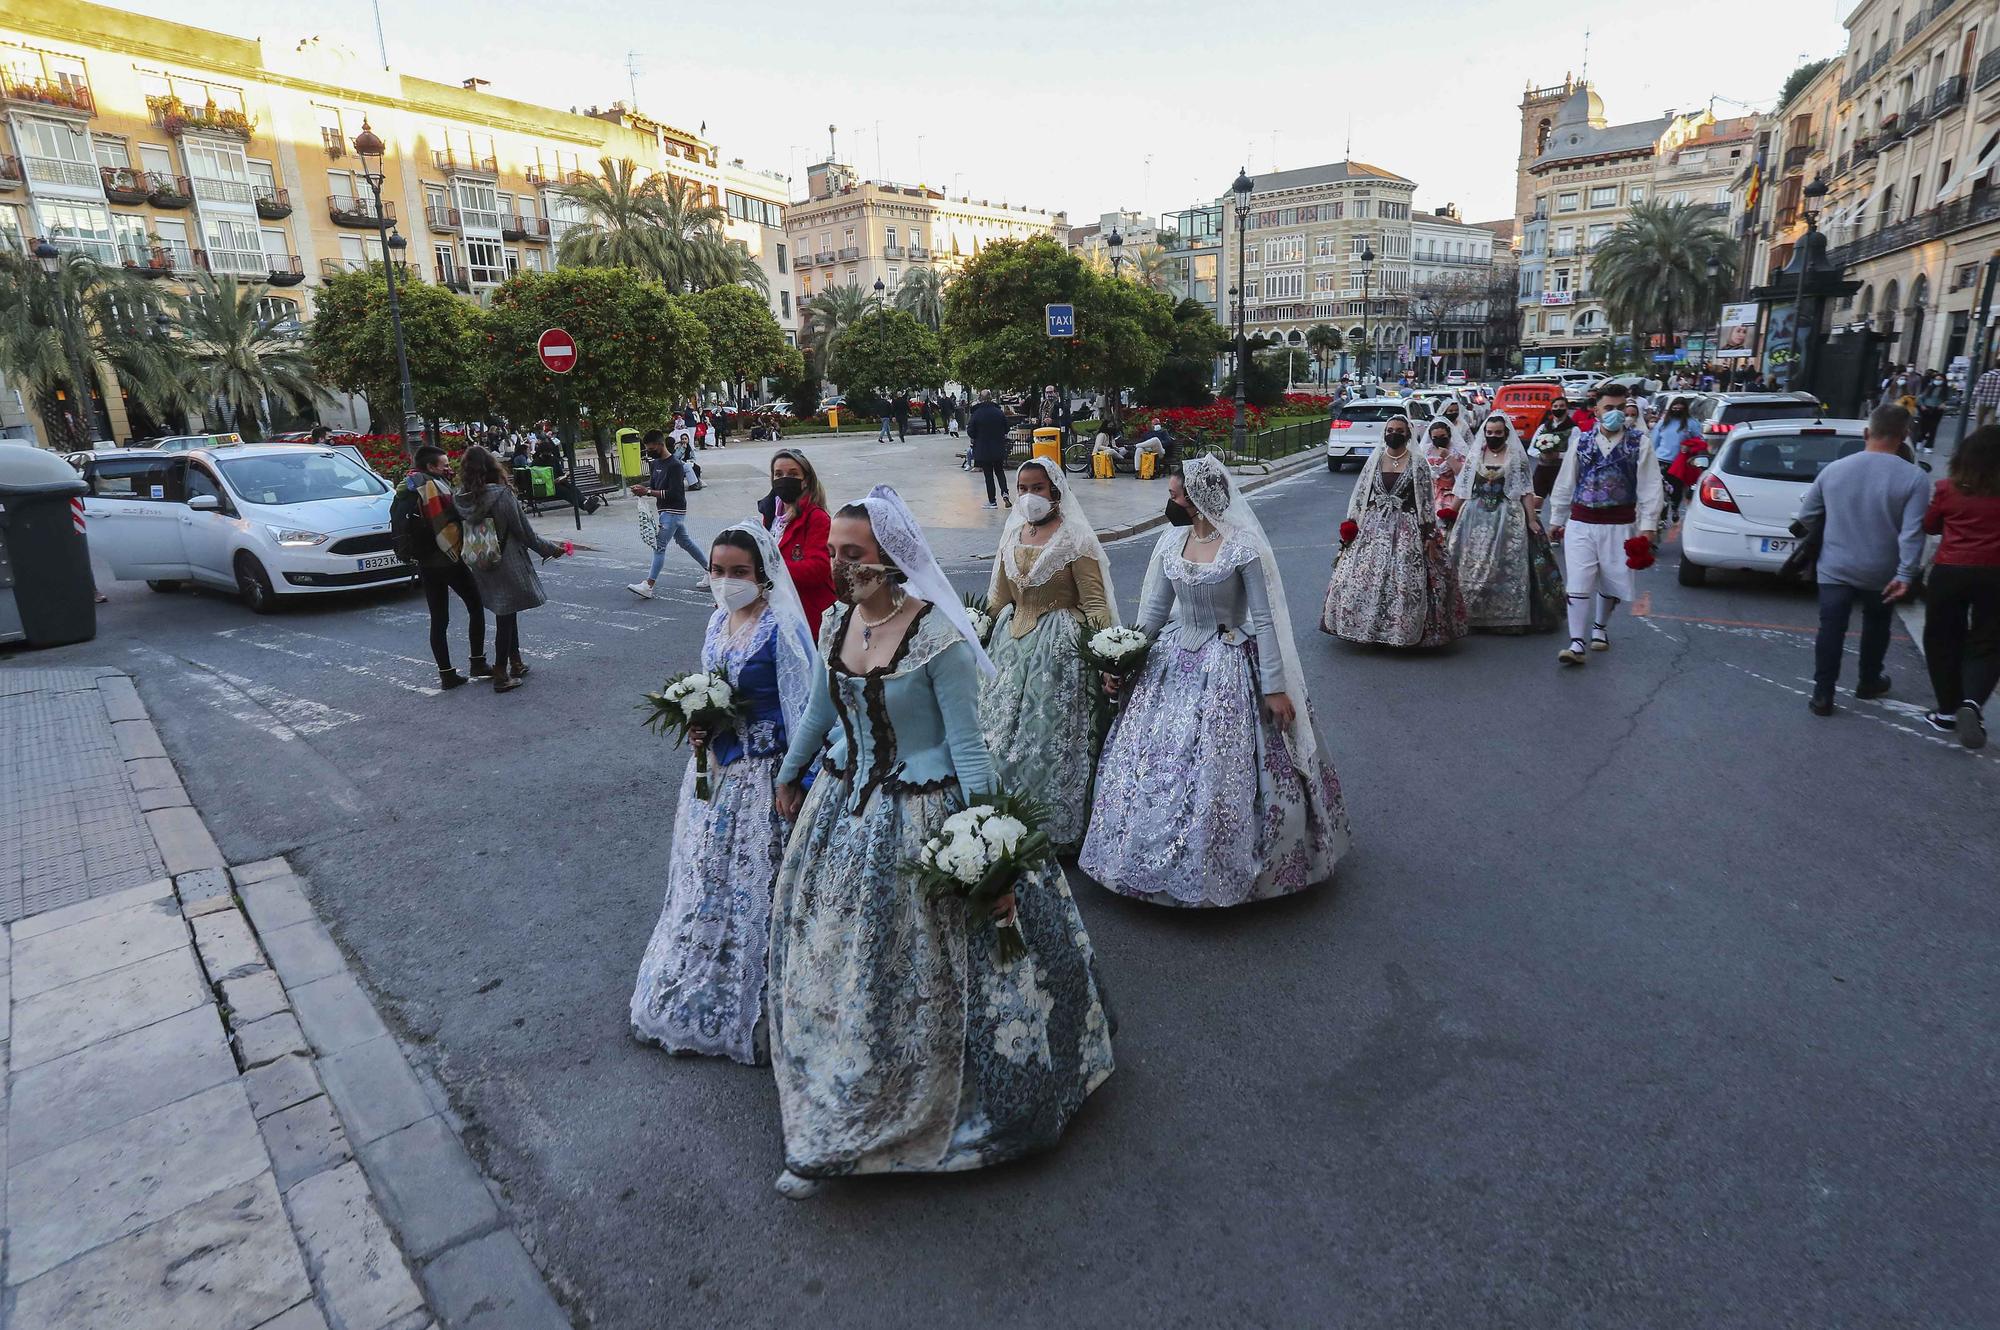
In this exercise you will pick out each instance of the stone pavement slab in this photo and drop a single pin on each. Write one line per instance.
(374, 1089)
(275, 902)
(93, 946)
(301, 953)
(429, 1186)
(123, 1178)
(280, 1083)
(50, 920)
(228, 951)
(272, 1037)
(304, 1139)
(361, 1276)
(336, 1014)
(68, 1098)
(224, 1263)
(184, 842)
(65, 1019)
(491, 1284)
(252, 997)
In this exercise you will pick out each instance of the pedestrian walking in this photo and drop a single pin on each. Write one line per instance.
(1499, 552)
(427, 533)
(1392, 582)
(795, 514)
(1986, 395)
(666, 485)
(1551, 441)
(495, 545)
(1444, 454)
(1611, 485)
(1871, 507)
(884, 435)
(1962, 611)
(1930, 409)
(988, 430)
(701, 981)
(1671, 432)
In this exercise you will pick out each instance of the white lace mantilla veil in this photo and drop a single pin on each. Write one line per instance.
(1421, 476)
(902, 542)
(1520, 475)
(1214, 493)
(1074, 539)
(798, 657)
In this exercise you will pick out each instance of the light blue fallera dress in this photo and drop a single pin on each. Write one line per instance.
(899, 1041)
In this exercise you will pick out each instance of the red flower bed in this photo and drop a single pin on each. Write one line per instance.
(1197, 425)
(1309, 401)
(384, 452)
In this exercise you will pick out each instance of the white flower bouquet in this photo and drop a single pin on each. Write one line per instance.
(1117, 651)
(697, 700)
(980, 853)
(982, 619)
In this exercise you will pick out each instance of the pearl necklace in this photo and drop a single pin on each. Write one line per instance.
(868, 629)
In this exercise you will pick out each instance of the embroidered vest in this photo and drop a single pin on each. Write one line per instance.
(1607, 480)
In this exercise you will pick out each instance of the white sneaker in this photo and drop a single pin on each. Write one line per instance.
(642, 589)
(795, 1188)
(992, 505)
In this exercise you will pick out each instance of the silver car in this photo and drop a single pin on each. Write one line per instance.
(1356, 428)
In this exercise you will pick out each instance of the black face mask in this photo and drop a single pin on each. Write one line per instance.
(1178, 515)
(789, 488)
(1396, 441)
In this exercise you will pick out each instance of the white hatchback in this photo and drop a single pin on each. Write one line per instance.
(1741, 513)
(1355, 430)
(268, 521)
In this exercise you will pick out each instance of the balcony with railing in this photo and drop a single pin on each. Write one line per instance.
(1864, 150)
(452, 162)
(1983, 206)
(61, 171)
(284, 269)
(177, 118)
(347, 210)
(122, 184)
(824, 257)
(1795, 156)
(920, 253)
(329, 139)
(892, 251)
(452, 278)
(273, 204)
(1950, 95)
(169, 191)
(10, 171)
(65, 96)
(850, 253)
(440, 218)
(1989, 70)
(238, 262)
(523, 226)
(169, 258)
(330, 267)
(212, 190)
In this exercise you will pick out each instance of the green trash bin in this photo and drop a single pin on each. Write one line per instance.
(47, 596)
(542, 482)
(631, 463)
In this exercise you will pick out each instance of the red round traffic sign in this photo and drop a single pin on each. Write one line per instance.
(557, 350)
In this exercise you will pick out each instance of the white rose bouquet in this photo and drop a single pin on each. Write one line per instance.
(697, 700)
(982, 619)
(1117, 651)
(979, 854)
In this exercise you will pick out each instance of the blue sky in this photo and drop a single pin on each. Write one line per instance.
(1089, 108)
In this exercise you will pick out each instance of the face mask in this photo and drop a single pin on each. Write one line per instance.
(1177, 515)
(1033, 508)
(856, 582)
(1440, 440)
(1496, 441)
(789, 488)
(733, 593)
(1612, 421)
(1396, 442)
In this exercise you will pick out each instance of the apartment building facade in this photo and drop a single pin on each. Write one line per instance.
(1307, 230)
(1451, 270)
(853, 232)
(1580, 176)
(175, 150)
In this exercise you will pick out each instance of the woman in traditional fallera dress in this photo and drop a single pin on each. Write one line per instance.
(1506, 569)
(1051, 588)
(701, 981)
(1392, 582)
(1213, 789)
(1444, 454)
(900, 1041)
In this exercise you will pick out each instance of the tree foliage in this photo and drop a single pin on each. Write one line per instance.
(832, 312)
(889, 354)
(654, 224)
(797, 382)
(237, 359)
(1796, 81)
(921, 292)
(1652, 270)
(744, 340)
(55, 330)
(351, 342)
(638, 350)
(1324, 341)
(1187, 370)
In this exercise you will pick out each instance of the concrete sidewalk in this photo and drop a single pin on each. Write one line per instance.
(206, 1123)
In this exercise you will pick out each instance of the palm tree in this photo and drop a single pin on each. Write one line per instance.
(57, 328)
(235, 357)
(1149, 266)
(622, 220)
(692, 244)
(1652, 272)
(833, 311)
(922, 294)
(727, 262)
(1324, 341)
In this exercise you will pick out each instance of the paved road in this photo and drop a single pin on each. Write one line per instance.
(1645, 998)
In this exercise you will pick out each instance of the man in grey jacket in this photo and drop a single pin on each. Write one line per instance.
(1873, 504)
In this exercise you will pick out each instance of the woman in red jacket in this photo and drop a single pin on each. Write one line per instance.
(1962, 605)
(795, 514)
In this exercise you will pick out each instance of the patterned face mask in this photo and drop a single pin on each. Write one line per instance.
(856, 582)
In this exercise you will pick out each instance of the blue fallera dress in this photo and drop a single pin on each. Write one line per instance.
(899, 1041)
(701, 981)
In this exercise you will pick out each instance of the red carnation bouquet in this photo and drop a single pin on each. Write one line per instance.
(1638, 553)
(1348, 531)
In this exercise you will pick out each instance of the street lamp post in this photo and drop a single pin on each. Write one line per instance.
(1117, 243)
(1715, 343)
(1243, 185)
(50, 259)
(1801, 344)
(369, 148)
(1367, 337)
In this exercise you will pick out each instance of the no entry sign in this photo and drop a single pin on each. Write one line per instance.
(557, 350)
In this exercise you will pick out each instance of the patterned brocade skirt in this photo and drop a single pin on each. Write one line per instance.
(899, 1041)
(1036, 715)
(1199, 802)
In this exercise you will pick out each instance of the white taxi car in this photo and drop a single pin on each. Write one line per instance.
(1741, 514)
(268, 521)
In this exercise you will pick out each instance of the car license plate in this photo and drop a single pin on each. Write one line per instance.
(1770, 546)
(375, 561)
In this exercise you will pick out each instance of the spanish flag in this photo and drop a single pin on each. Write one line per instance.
(1756, 188)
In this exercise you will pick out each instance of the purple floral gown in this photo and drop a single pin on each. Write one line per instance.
(1200, 801)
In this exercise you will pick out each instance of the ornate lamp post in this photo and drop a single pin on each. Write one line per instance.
(1242, 187)
(368, 147)
(1714, 268)
(1367, 337)
(1117, 243)
(1801, 343)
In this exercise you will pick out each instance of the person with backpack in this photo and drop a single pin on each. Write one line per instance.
(666, 483)
(427, 533)
(494, 545)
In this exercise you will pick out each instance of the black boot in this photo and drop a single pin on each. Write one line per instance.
(449, 679)
(479, 669)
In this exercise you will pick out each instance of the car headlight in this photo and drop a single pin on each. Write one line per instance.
(291, 536)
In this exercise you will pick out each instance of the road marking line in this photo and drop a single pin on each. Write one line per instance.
(1855, 708)
(277, 713)
(1749, 623)
(346, 667)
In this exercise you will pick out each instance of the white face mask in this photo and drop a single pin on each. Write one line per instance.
(1033, 507)
(733, 593)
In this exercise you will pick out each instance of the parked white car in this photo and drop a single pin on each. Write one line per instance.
(1741, 512)
(268, 521)
(1355, 431)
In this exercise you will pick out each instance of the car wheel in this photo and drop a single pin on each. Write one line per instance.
(163, 585)
(1333, 466)
(1692, 574)
(253, 584)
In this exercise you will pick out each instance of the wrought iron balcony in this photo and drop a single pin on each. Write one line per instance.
(284, 270)
(824, 257)
(347, 210)
(169, 191)
(919, 253)
(892, 251)
(524, 226)
(1953, 217)
(1989, 69)
(1949, 96)
(124, 185)
(49, 94)
(850, 253)
(440, 218)
(451, 162)
(177, 118)
(273, 204)
(168, 259)
(1795, 156)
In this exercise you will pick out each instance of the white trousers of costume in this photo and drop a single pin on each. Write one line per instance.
(1594, 566)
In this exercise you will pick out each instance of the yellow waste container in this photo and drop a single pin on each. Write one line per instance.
(1149, 464)
(833, 418)
(1048, 444)
(631, 464)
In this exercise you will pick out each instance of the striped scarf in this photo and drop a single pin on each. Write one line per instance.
(434, 499)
